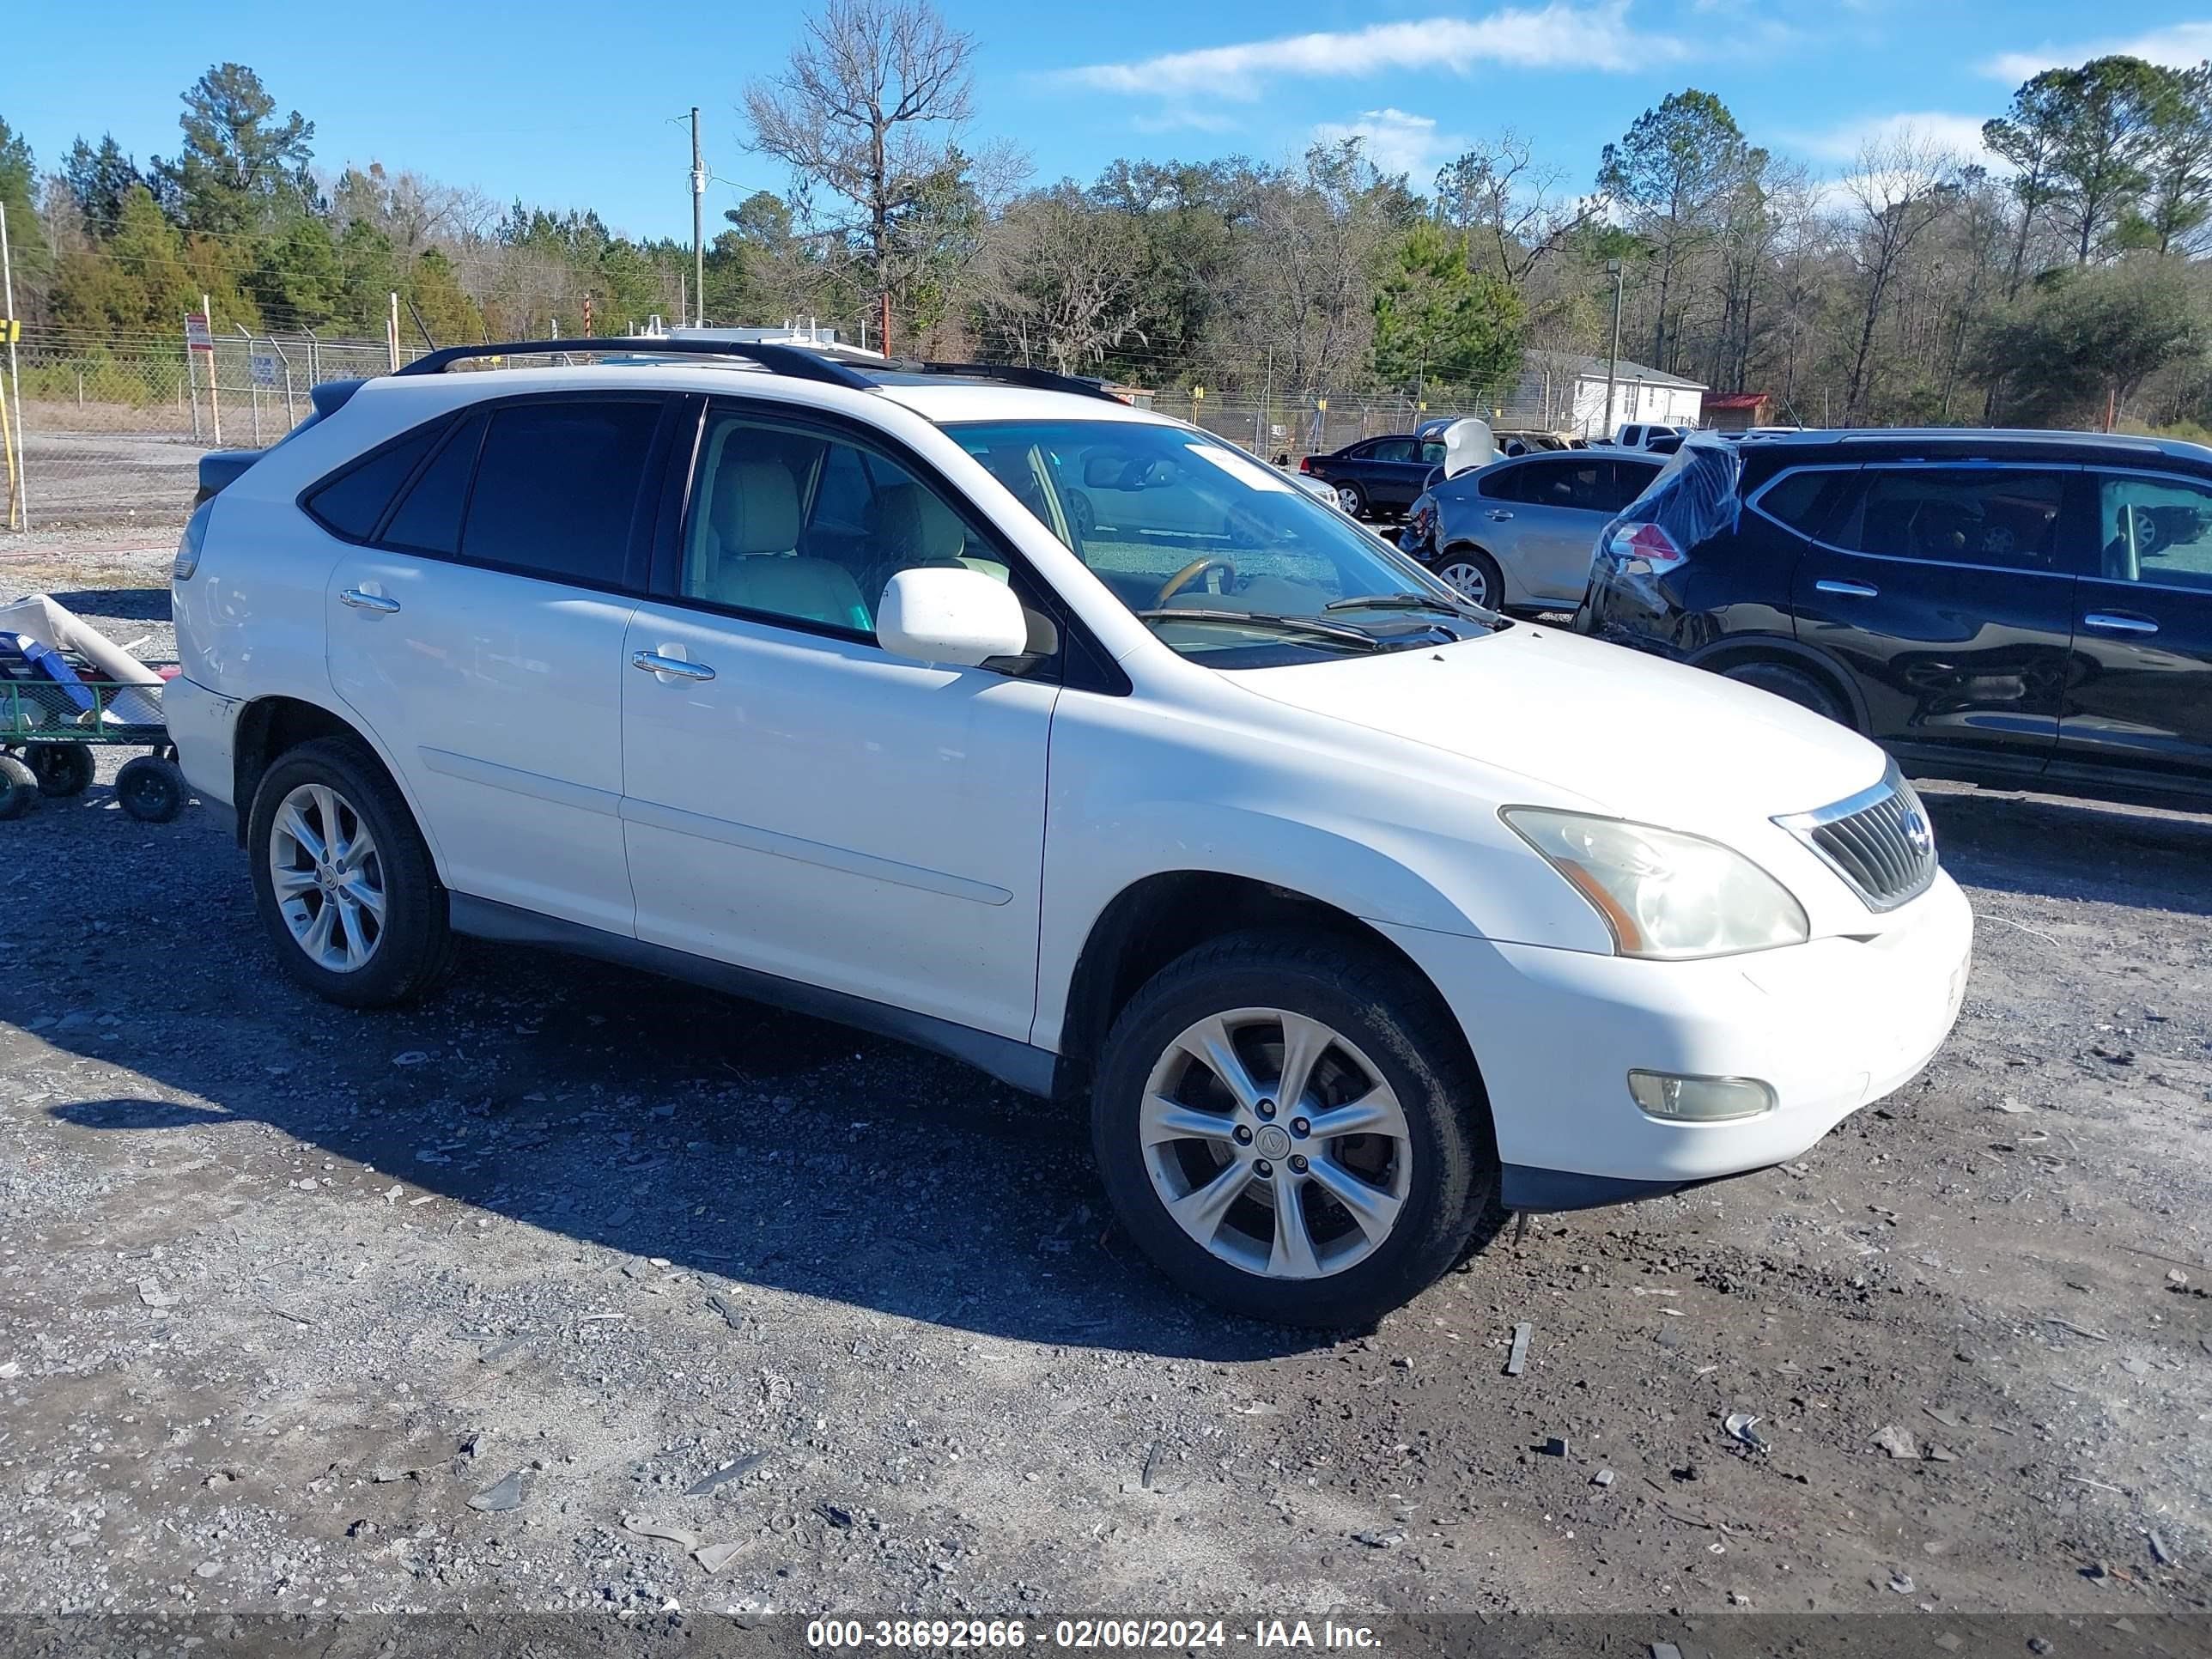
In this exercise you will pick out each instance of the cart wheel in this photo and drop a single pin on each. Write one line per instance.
(151, 789)
(63, 768)
(19, 788)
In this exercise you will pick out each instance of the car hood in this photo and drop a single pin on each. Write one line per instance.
(1628, 733)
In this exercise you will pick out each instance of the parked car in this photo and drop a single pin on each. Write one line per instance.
(1517, 535)
(1649, 435)
(989, 712)
(2009, 608)
(1377, 476)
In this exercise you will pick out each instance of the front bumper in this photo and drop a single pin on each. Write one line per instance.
(1830, 1026)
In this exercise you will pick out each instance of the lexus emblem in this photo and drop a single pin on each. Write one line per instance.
(1917, 836)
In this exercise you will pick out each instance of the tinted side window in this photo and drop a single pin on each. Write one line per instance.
(2003, 518)
(429, 519)
(556, 486)
(1391, 449)
(1432, 454)
(350, 504)
(1515, 483)
(1629, 480)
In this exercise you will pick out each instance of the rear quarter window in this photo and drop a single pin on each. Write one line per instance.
(1800, 499)
(352, 504)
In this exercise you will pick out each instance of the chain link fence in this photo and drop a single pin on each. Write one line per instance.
(113, 425)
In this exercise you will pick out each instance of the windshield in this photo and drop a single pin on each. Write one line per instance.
(1224, 557)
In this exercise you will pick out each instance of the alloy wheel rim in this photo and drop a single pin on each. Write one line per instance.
(328, 877)
(1466, 579)
(1275, 1144)
(1348, 499)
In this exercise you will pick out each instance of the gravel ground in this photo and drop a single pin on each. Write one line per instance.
(516, 1300)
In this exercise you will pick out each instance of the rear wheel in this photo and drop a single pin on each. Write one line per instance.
(1289, 1128)
(1352, 499)
(1794, 684)
(342, 880)
(1474, 575)
(63, 768)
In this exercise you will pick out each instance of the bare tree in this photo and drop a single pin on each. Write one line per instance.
(1497, 192)
(1058, 276)
(1901, 187)
(868, 112)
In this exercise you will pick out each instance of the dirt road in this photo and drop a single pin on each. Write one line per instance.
(302, 1309)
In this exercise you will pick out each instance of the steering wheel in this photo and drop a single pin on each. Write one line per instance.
(1190, 573)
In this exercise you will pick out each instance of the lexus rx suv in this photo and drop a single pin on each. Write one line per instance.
(983, 710)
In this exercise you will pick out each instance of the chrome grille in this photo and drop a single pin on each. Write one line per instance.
(1879, 841)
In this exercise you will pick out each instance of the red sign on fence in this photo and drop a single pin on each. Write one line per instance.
(196, 331)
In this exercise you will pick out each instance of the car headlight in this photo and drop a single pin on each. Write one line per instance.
(1664, 896)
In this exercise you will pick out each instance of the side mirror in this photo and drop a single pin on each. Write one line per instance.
(960, 616)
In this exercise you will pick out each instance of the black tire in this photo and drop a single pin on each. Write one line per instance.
(151, 789)
(19, 788)
(1481, 566)
(1404, 1031)
(1351, 498)
(414, 948)
(63, 768)
(1793, 684)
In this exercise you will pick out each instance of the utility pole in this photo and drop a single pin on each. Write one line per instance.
(17, 510)
(1613, 363)
(698, 209)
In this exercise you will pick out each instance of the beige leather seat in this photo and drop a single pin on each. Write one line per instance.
(751, 557)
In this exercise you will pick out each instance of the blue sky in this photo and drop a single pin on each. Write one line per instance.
(563, 103)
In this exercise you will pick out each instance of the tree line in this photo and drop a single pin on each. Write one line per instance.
(2067, 286)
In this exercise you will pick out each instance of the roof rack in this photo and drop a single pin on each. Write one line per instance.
(795, 361)
(1039, 379)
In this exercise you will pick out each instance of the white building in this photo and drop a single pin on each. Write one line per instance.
(1560, 392)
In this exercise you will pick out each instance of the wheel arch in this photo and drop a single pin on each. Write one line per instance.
(1733, 651)
(1158, 917)
(268, 727)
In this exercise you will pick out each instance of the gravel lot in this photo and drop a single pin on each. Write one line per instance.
(512, 1301)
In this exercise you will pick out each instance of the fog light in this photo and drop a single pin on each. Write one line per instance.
(1698, 1099)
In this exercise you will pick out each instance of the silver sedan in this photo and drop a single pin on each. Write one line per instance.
(1518, 534)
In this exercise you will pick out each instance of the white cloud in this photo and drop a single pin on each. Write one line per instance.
(1396, 142)
(1176, 117)
(1558, 36)
(2181, 46)
(1959, 134)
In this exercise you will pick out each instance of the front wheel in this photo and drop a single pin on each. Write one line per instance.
(1290, 1129)
(151, 788)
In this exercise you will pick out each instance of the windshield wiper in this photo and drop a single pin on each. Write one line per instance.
(1349, 635)
(1417, 602)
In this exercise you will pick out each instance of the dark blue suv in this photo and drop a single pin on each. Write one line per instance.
(2018, 609)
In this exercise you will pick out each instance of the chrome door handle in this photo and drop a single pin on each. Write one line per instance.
(654, 662)
(1849, 589)
(1499, 513)
(361, 601)
(2120, 622)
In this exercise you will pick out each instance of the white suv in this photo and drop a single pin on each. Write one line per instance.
(1001, 717)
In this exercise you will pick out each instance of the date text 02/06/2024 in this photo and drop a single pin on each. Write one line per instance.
(1172, 1635)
